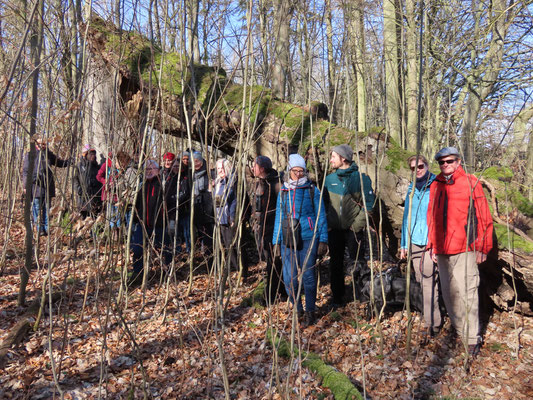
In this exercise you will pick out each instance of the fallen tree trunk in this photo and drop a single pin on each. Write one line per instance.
(167, 90)
(339, 384)
(17, 334)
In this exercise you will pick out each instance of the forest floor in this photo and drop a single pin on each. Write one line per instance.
(98, 346)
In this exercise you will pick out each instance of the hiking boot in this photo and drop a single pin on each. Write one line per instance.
(434, 331)
(309, 318)
(474, 349)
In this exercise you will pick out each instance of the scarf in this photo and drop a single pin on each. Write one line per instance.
(421, 182)
(292, 184)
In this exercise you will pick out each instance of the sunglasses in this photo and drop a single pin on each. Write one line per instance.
(420, 166)
(442, 162)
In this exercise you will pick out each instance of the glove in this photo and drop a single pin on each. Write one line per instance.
(322, 249)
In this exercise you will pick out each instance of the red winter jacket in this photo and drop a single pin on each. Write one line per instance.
(105, 176)
(450, 210)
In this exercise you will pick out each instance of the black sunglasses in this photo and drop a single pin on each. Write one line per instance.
(420, 166)
(442, 162)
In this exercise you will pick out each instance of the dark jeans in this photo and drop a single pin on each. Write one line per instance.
(338, 240)
(180, 234)
(39, 210)
(274, 266)
(184, 229)
(293, 265)
(156, 237)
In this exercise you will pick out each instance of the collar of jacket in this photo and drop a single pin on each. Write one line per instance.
(430, 180)
(459, 172)
(348, 171)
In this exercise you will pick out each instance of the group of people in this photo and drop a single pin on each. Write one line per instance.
(446, 231)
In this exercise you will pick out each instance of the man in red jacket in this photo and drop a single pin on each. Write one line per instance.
(460, 237)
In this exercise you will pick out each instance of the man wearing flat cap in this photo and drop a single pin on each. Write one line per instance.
(345, 206)
(459, 238)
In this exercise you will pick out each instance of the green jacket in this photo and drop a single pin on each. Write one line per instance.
(345, 209)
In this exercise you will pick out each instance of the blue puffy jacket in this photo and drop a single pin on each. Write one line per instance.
(419, 226)
(297, 202)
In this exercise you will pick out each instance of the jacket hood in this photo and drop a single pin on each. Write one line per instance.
(348, 171)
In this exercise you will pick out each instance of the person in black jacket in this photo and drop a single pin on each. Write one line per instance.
(263, 190)
(176, 183)
(86, 187)
(203, 203)
(149, 220)
(43, 187)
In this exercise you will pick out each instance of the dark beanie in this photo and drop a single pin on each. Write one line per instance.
(263, 162)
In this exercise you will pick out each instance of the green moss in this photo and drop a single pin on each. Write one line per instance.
(397, 156)
(339, 384)
(257, 298)
(508, 196)
(256, 104)
(516, 241)
(167, 72)
(496, 173)
(170, 70)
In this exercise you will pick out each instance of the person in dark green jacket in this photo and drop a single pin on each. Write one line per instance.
(346, 215)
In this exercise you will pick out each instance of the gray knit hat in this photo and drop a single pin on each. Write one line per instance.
(447, 151)
(345, 151)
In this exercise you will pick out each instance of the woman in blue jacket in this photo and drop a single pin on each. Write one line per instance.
(416, 236)
(302, 231)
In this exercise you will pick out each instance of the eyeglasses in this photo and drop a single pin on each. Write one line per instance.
(420, 166)
(442, 162)
(297, 171)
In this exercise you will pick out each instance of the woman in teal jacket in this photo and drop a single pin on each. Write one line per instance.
(415, 235)
(299, 201)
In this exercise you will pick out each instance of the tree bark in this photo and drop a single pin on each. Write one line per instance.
(485, 71)
(354, 13)
(193, 43)
(392, 65)
(411, 39)
(283, 16)
(36, 43)
(331, 61)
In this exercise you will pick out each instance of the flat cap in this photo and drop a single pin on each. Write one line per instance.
(447, 151)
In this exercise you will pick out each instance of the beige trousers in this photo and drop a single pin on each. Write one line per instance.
(426, 274)
(459, 276)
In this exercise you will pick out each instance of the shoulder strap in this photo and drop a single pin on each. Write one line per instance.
(312, 195)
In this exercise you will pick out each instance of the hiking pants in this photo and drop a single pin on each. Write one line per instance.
(459, 276)
(426, 274)
(338, 240)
